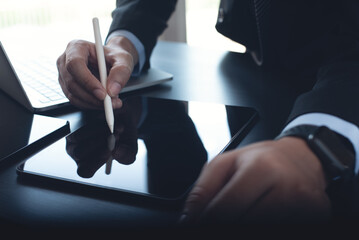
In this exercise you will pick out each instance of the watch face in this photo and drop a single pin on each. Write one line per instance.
(335, 156)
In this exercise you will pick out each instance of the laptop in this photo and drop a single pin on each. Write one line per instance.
(34, 83)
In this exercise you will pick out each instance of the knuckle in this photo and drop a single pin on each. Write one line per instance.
(196, 196)
(216, 163)
(127, 56)
(60, 60)
(87, 83)
(71, 97)
(69, 87)
(302, 191)
(120, 58)
(76, 42)
(123, 68)
(72, 63)
(62, 83)
(269, 165)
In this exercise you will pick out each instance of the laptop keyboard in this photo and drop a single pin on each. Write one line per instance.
(40, 75)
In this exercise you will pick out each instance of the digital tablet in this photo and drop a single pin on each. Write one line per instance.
(157, 150)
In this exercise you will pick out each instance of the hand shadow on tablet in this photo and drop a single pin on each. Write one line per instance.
(94, 145)
(175, 152)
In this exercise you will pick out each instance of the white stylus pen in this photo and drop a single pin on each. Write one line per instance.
(103, 73)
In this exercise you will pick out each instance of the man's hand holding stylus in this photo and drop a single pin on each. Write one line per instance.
(78, 71)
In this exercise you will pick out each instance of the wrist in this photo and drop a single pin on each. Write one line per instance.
(334, 152)
(125, 44)
(337, 158)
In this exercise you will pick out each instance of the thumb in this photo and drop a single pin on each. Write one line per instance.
(118, 78)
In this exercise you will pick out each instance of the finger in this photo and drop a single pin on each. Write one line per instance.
(63, 73)
(78, 55)
(76, 94)
(126, 145)
(212, 178)
(121, 68)
(87, 169)
(86, 101)
(125, 153)
(79, 97)
(116, 103)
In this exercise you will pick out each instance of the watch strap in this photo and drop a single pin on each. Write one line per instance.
(302, 131)
(334, 151)
(337, 157)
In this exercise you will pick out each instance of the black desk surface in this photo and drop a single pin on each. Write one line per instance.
(199, 74)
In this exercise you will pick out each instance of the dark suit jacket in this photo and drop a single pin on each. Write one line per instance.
(317, 40)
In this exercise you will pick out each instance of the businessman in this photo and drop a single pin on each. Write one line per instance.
(307, 171)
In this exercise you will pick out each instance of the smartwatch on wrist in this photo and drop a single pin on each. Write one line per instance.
(337, 156)
(334, 151)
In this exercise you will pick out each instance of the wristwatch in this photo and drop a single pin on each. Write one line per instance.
(337, 156)
(334, 151)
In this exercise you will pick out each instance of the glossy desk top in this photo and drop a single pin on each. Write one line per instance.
(199, 75)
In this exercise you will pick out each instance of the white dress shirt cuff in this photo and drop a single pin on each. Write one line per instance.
(347, 129)
(138, 45)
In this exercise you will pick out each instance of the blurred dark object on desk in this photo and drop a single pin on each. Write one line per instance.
(23, 133)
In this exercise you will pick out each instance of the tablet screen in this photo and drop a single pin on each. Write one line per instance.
(158, 147)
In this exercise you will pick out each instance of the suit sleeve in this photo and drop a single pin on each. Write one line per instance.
(336, 91)
(145, 19)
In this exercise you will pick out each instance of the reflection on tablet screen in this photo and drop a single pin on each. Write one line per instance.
(158, 147)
